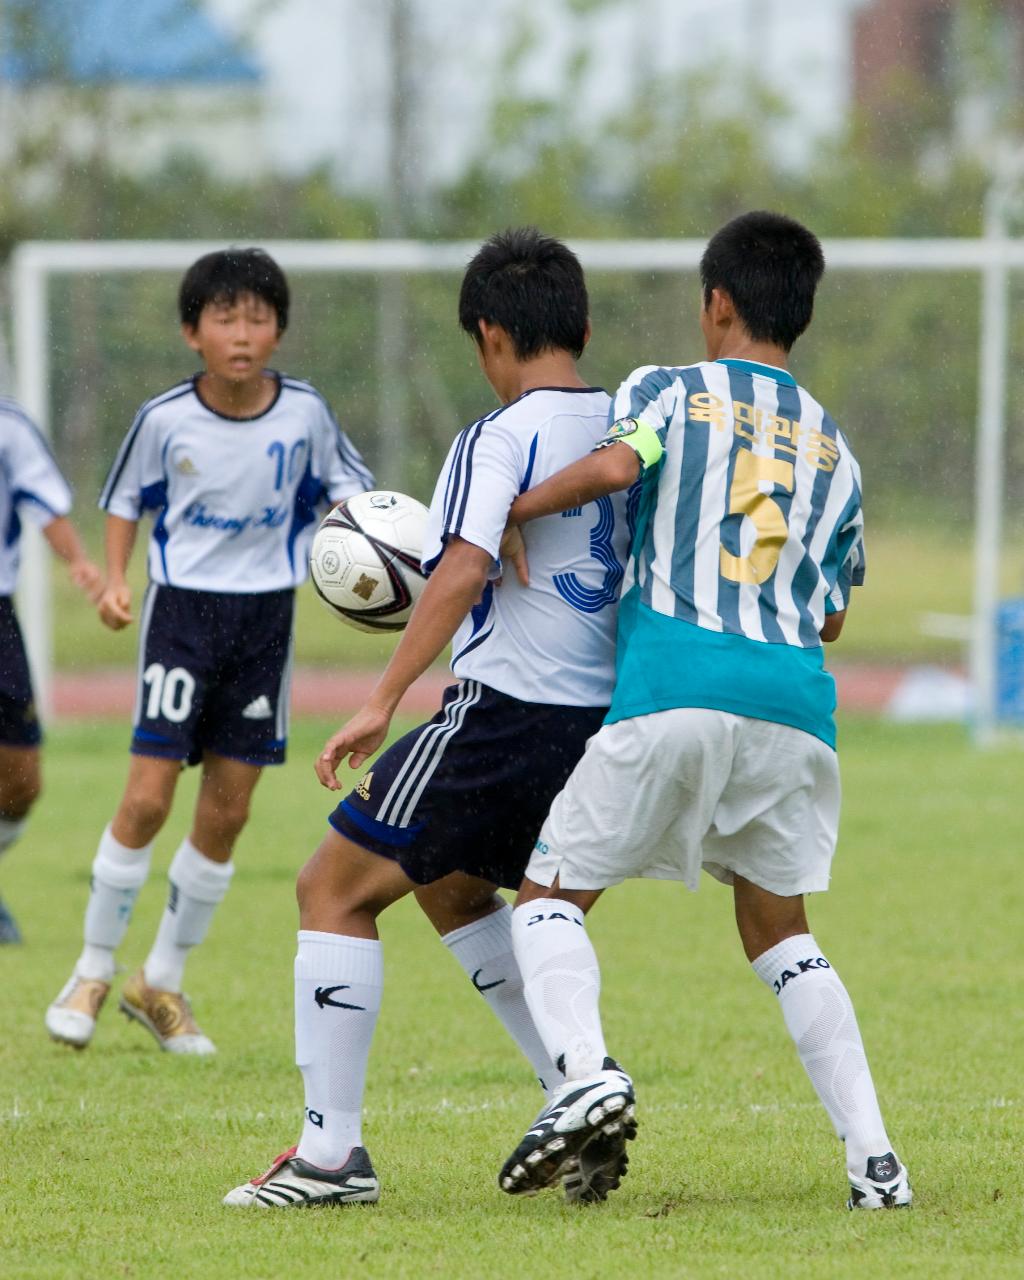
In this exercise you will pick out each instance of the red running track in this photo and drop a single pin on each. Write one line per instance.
(862, 687)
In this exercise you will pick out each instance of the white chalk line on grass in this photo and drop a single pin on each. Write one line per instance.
(102, 1109)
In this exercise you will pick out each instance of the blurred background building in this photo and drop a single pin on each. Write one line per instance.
(130, 83)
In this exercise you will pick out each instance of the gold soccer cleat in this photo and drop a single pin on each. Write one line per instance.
(71, 1019)
(167, 1015)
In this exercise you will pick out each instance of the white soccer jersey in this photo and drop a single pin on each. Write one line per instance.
(551, 642)
(235, 501)
(31, 486)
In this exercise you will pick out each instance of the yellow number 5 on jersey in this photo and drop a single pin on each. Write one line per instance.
(746, 499)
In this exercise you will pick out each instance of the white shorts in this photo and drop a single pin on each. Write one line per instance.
(665, 794)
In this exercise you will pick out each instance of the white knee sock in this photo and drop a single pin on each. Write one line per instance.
(10, 830)
(197, 886)
(819, 1016)
(118, 873)
(338, 985)
(484, 949)
(561, 982)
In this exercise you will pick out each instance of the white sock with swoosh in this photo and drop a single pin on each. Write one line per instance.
(338, 986)
(484, 949)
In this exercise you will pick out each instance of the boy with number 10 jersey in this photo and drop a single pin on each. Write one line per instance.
(233, 465)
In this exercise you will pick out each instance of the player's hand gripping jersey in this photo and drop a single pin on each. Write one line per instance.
(749, 533)
(234, 500)
(551, 642)
(31, 486)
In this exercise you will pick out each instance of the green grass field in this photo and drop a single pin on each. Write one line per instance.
(113, 1161)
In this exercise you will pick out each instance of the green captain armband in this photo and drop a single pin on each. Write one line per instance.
(641, 438)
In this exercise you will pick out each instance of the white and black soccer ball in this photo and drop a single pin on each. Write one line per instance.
(365, 559)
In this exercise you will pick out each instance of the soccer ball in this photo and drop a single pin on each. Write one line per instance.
(365, 560)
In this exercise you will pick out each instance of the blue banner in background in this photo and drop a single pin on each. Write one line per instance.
(1010, 661)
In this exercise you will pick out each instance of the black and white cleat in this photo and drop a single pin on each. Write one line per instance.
(885, 1185)
(582, 1111)
(291, 1182)
(599, 1168)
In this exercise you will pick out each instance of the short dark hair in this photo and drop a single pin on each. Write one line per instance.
(226, 274)
(770, 266)
(533, 286)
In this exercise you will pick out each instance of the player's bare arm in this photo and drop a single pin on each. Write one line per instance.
(833, 625)
(65, 542)
(600, 473)
(605, 471)
(115, 602)
(454, 587)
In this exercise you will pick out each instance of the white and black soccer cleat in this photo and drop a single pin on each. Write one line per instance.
(885, 1185)
(598, 1170)
(581, 1110)
(291, 1182)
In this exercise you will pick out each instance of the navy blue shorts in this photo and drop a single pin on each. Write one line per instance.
(19, 724)
(469, 790)
(214, 675)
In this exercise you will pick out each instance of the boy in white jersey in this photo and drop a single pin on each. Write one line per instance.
(32, 488)
(234, 465)
(718, 751)
(454, 805)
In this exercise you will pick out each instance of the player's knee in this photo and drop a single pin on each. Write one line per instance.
(19, 793)
(220, 817)
(232, 815)
(308, 885)
(761, 929)
(141, 816)
(327, 900)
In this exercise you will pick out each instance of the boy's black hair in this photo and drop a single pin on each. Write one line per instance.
(226, 274)
(533, 286)
(769, 265)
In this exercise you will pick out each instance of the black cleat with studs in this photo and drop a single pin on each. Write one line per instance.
(600, 1108)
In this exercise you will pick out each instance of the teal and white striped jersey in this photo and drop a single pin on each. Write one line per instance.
(750, 532)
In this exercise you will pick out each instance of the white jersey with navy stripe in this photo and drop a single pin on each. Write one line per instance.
(551, 642)
(234, 501)
(31, 487)
(757, 528)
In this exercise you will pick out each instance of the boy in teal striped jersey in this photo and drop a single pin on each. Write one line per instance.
(718, 751)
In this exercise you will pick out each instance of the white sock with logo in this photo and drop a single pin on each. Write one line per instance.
(819, 1016)
(484, 949)
(561, 983)
(118, 873)
(338, 986)
(197, 887)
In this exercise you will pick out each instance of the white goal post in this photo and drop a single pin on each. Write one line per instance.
(993, 257)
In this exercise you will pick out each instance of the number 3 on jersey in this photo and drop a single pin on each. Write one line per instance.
(578, 594)
(746, 498)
